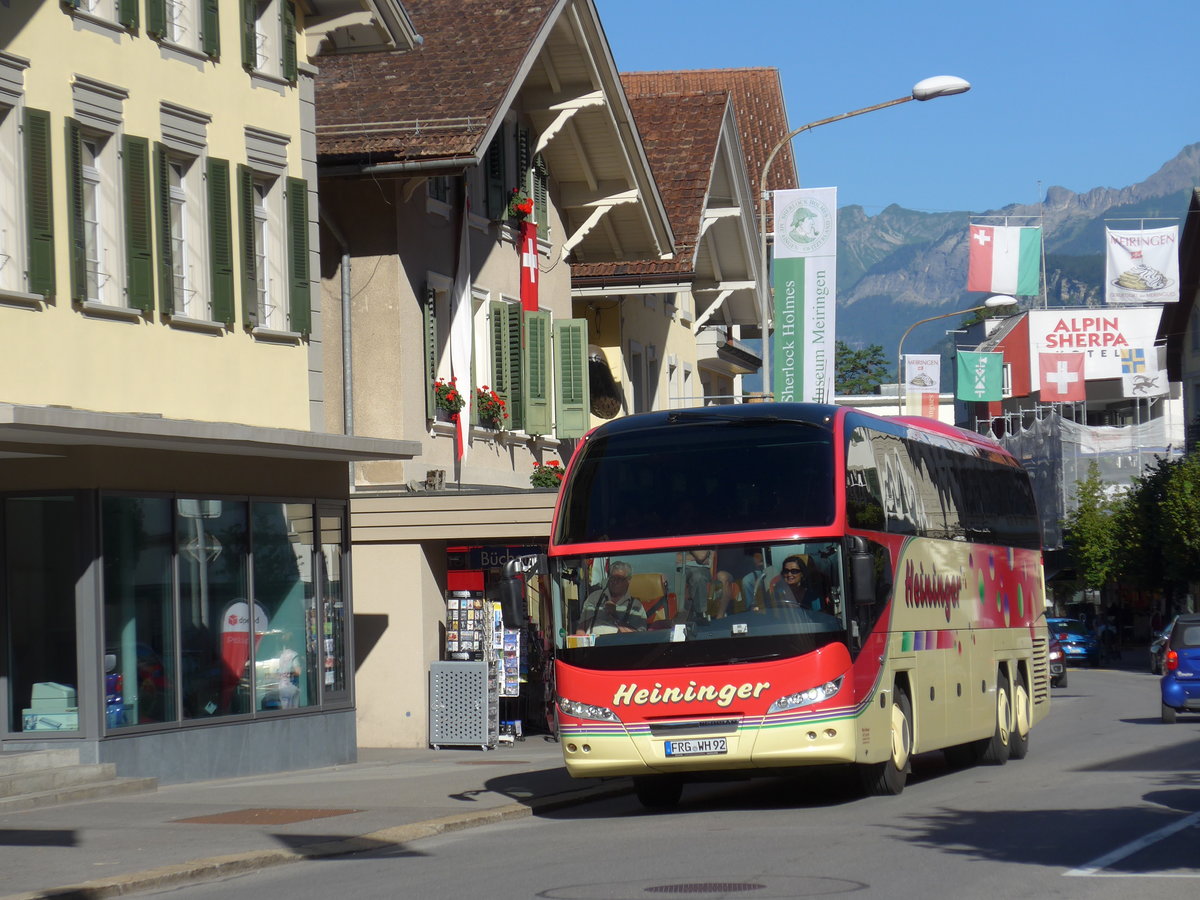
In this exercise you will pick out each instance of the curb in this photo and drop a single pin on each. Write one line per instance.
(216, 867)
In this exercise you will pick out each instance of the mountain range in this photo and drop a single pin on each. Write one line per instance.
(902, 265)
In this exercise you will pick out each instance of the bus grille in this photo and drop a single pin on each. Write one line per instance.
(1041, 669)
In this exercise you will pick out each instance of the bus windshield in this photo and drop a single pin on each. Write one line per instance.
(698, 472)
(704, 606)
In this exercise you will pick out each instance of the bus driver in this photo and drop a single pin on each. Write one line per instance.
(612, 608)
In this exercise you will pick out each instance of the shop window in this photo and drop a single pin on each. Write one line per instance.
(287, 636)
(41, 568)
(140, 666)
(334, 612)
(214, 610)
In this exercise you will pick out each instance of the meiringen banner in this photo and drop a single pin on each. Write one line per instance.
(1142, 266)
(802, 350)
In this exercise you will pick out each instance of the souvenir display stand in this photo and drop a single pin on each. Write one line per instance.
(464, 689)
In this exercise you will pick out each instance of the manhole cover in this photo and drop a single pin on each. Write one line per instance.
(265, 816)
(706, 887)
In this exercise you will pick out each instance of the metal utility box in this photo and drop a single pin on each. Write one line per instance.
(463, 704)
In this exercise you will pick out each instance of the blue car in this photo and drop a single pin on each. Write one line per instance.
(1181, 669)
(1078, 644)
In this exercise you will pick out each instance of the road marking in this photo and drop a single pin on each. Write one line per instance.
(1093, 868)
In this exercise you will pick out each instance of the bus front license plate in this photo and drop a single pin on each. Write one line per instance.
(698, 747)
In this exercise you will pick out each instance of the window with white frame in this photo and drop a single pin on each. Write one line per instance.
(269, 37)
(182, 23)
(187, 235)
(100, 237)
(637, 377)
(12, 226)
(269, 253)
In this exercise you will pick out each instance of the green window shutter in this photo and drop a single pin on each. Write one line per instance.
(572, 417)
(299, 299)
(139, 248)
(220, 240)
(541, 197)
(287, 16)
(516, 381)
(429, 335)
(524, 159)
(535, 372)
(166, 250)
(498, 331)
(156, 18)
(75, 207)
(245, 179)
(249, 37)
(210, 29)
(127, 13)
(497, 198)
(39, 199)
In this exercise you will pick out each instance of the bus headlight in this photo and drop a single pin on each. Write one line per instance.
(807, 698)
(587, 711)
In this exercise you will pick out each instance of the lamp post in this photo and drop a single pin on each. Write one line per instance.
(1000, 300)
(926, 89)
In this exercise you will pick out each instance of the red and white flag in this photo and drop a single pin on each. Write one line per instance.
(529, 267)
(1005, 260)
(1061, 377)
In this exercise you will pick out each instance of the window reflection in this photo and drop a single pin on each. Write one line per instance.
(139, 621)
(285, 650)
(215, 613)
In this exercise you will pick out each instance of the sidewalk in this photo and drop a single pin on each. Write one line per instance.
(192, 832)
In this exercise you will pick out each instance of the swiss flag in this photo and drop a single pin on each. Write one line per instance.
(529, 266)
(1061, 377)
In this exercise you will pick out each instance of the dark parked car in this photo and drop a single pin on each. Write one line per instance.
(1079, 644)
(1058, 664)
(1158, 646)
(1181, 669)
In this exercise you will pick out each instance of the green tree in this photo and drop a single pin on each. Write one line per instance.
(1180, 518)
(1091, 534)
(859, 371)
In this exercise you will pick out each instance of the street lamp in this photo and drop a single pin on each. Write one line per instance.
(926, 89)
(1000, 300)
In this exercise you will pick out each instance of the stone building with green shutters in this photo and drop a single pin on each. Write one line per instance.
(173, 509)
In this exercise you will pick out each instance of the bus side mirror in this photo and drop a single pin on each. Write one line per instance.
(862, 570)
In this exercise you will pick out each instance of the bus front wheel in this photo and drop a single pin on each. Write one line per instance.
(889, 777)
(658, 791)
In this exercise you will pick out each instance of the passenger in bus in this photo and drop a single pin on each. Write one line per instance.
(697, 569)
(726, 592)
(752, 581)
(796, 587)
(612, 608)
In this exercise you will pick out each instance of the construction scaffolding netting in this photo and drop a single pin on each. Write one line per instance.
(1058, 452)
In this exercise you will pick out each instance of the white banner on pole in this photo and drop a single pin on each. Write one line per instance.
(1142, 266)
(802, 350)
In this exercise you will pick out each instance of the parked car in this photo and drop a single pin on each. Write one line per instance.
(1058, 664)
(1079, 644)
(1158, 646)
(1180, 683)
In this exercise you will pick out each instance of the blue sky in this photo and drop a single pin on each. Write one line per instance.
(1082, 95)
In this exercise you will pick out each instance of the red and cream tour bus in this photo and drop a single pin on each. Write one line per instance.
(745, 589)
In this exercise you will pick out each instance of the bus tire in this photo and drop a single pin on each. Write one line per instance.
(658, 791)
(997, 748)
(1022, 720)
(888, 778)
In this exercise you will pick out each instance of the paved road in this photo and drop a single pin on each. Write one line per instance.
(1107, 805)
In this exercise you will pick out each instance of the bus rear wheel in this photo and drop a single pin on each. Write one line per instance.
(658, 791)
(1022, 719)
(998, 747)
(889, 777)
